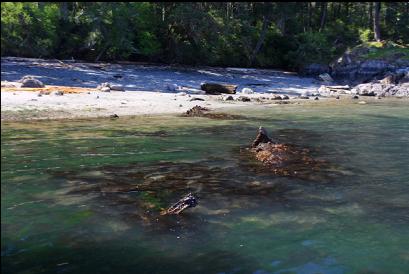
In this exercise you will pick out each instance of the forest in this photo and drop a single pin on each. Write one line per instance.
(284, 35)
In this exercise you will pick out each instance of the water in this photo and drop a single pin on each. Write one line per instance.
(85, 196)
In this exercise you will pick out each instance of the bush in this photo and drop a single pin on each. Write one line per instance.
(310, 47)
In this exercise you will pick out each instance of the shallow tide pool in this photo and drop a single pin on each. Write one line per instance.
(84, 196)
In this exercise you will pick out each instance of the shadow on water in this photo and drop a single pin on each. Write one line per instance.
(119, 257)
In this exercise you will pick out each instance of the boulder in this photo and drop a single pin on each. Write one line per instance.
(276, 97)
(228, 98)
(59, 93)
(30, 82)
(243, 99)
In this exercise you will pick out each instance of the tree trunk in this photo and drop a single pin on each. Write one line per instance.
(260, 40)
(376, 27)
(323, 15)
(370, 14)
(309, 15)
(102, 52)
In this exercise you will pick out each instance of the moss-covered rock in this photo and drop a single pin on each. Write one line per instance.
(370, 59)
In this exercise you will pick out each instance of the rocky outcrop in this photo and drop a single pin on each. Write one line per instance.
(367, 61)
(393, 84)
(382, 90)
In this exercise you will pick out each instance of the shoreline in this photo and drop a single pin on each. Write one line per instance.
(28, 106)
(149, 90)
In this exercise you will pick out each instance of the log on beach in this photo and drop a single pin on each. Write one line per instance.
(214, 88)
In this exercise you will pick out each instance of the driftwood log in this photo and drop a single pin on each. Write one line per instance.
(187, 201)
(215, 89)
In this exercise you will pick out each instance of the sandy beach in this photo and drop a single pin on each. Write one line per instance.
(149, 89)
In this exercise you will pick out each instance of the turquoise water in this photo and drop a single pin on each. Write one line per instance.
(85, 196)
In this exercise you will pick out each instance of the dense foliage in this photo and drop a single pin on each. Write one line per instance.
(263, 34)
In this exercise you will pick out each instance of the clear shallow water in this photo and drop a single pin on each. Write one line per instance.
(85, 196)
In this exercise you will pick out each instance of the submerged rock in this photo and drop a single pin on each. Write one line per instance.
(282, 159)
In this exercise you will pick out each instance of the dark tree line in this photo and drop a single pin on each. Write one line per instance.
(263, 34)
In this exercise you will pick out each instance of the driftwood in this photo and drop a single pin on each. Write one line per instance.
(338, 87)
(215, 89)
(188, 201)
(261, 137)
(198, 111)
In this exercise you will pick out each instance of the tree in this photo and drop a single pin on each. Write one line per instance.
(376, 19)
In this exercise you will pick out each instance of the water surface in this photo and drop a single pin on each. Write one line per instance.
(84, 196)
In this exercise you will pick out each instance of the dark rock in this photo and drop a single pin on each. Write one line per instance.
(113, 116)
(284, 97)
(229, 98)
(304, 97)
(59, 93)
(243, 99)
(276, 97)
(355, 97)
(337, 97)
(316, 98)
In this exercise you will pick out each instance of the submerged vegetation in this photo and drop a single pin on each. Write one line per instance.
(264, 34)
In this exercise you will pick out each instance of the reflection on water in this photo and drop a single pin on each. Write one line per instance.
(81, 196)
